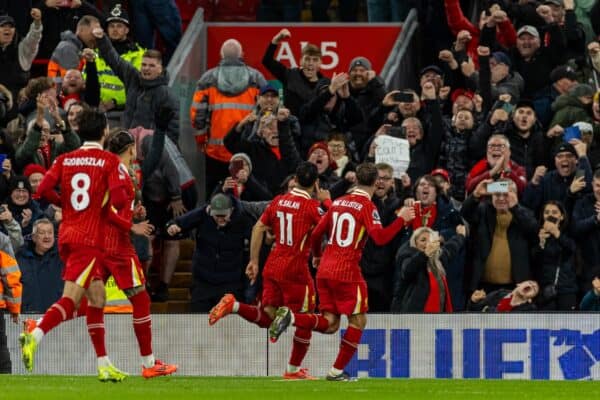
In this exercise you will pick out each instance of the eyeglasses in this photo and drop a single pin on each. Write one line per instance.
(496, 146)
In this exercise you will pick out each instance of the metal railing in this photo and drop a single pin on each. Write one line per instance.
(400, 70)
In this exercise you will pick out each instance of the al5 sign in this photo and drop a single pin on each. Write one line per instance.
(339, 44)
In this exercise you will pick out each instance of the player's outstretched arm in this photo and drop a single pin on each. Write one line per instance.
(382, 236)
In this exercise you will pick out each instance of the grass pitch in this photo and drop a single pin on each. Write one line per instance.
(41, 387)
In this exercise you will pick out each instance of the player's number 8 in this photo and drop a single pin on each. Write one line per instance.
(80, 198)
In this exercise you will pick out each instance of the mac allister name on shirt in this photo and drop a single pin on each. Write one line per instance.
(83, 161)
(350, 204)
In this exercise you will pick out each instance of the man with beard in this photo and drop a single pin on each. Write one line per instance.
(368, 90)
(377, 261)
(562, 184)
(499, 73)
(523, 132)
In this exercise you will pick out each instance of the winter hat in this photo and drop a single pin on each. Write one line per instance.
(7, 20)
(242, 156)
(31, 169)
(268, 88)
(584, 127)
(441, 172)
(563, 71)
(565, 147)
(528, 29)
(220, 204)
(582, 90)
(359, 62)
(502, 58)
(461, 92)
(19, 182)
(322, 146)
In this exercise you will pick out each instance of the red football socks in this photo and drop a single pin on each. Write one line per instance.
(300, 346)
(142, 322)
(314, 322)
(255, 315)
(348, 347)
(95, 324)
(82, 310)
(58, 312)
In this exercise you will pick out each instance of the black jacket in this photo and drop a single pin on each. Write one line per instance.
(586, 229)
(297, 90)
(424, 154)
(367, 99)
(522, 233)
(266, 168)
(556, 253)
(144, 97)
(412, 290)
(220, 255)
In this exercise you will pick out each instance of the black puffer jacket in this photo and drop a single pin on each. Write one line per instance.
(412, 290)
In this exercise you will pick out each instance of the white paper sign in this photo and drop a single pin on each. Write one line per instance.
(393, 151)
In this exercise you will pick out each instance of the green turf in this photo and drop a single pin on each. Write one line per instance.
(183, 388)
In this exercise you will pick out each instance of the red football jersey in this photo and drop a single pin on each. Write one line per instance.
(85, 177)
(291, 217)
(117, 240)
(348, 222)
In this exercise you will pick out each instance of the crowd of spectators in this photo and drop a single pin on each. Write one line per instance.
(502, 126)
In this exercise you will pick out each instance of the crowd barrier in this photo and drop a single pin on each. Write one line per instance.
(482, 346)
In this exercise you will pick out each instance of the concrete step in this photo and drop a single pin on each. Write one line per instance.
(184, 266)
(186, 249)
(159, 308)
(179, 294)
(181, 280)
(178, 306)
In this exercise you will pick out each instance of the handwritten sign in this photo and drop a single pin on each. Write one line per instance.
(393, 151)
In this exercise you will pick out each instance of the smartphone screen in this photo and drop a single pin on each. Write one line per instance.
(578, 174)
(552, 219)
(497, 187)
(235, 166)
(403, 97)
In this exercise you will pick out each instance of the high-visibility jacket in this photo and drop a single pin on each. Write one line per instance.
(66, 56)
(10, 284)
(111, 87)
(224, 96)
(116, 300)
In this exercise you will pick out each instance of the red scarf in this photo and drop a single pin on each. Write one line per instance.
(504, 304)
(276, 151)
(45, 150)
(432, 305)
(425, 217)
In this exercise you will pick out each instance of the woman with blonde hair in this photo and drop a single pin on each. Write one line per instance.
(422, 286)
